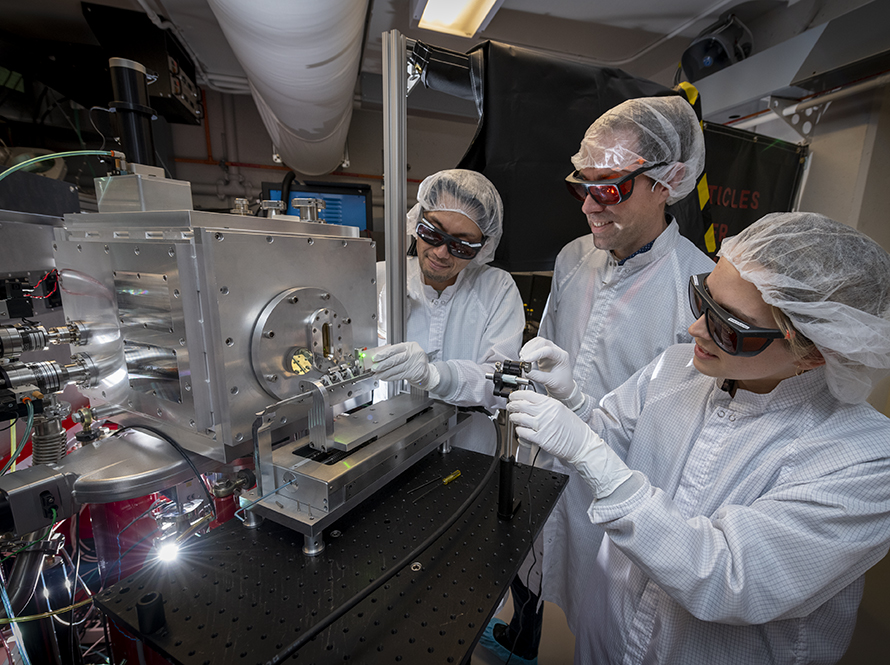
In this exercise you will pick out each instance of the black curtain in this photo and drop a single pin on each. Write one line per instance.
(536, 108)
(749, 175)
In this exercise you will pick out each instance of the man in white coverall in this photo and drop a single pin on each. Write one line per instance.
(618, 299)
(463, 315)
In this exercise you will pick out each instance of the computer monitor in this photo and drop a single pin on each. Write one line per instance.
(346, 203)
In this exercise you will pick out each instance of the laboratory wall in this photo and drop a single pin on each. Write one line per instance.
(848, 180)
(849, 173)
(236, 134)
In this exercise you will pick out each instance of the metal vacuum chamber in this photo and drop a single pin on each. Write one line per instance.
(200, 320)
(237, 336)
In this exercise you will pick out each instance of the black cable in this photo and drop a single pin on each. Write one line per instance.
(9, 426)
(188, 460)
(93, 123)
(89, 550)
(485, 412)
(678, 74)
(136, 519)
(383, 579)
(72, 629)
(57, 104)
(534, 459)
(475, 409)
(289, 178)
(77, 558)
(107, 637)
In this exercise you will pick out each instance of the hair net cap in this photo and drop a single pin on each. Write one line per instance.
(646, 131)
(833, 282)
(469, 193)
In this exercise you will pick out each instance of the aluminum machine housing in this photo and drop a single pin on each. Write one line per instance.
(239, 335)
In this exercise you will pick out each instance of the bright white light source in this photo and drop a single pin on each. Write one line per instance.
(463, 18)
(168, 551)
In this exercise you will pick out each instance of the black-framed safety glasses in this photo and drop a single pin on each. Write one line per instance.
(605, 192)
(735, 337)
(436, 237)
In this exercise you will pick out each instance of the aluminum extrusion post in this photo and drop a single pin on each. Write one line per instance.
(395, 110)
(262, 455)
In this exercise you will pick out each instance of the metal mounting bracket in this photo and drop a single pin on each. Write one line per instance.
(801, 120)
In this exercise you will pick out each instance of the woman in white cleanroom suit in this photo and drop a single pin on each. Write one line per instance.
(742, 481)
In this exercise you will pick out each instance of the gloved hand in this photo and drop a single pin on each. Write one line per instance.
(542, 420)
(406, 361)
(554, 371)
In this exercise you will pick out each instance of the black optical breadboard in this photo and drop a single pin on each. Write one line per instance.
(243, 596)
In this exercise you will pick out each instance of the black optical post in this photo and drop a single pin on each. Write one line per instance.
(507, 377)
(132, 115)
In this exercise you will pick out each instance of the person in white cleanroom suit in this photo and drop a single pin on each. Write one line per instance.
(617, 300)
(463, 315)
(741, 480)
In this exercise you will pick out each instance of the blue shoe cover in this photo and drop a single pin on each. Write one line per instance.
(487, 640)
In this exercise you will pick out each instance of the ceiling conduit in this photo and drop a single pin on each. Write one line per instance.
(301, 58)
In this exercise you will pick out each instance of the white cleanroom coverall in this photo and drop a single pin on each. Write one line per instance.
(473, 323)
(612, 320)
(747, 525)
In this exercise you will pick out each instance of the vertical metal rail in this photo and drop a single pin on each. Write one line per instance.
(262, 455)
(395, 86)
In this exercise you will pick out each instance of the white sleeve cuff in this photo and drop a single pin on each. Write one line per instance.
(442, 378)
(576, 400)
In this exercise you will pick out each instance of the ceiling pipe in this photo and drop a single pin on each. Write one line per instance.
(301, 58)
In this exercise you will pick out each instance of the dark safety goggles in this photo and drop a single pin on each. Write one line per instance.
(605, 192)
(458, 248)
(735, 337)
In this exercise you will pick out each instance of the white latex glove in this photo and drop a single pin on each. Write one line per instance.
(542, 420)
(554, 371)
(406, 361)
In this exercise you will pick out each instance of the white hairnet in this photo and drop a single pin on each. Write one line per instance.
(646, 131)
(833, 282)
(469, 193)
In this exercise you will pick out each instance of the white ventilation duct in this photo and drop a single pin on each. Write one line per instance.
(301, 58)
